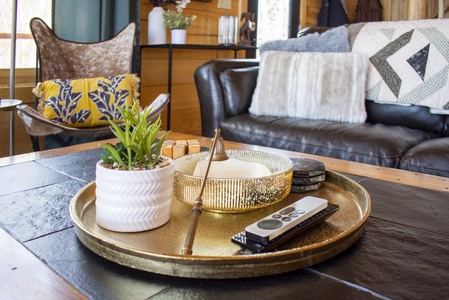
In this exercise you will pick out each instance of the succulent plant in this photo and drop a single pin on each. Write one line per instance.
(139, 144)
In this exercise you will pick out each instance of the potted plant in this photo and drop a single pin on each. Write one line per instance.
(134, 183)
(178, 24)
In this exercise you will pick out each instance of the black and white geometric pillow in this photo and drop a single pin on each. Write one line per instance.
(409, 61)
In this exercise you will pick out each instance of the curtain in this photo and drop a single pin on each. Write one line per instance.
(332, 14)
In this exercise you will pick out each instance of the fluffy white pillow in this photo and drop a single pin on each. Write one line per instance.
(326, 86)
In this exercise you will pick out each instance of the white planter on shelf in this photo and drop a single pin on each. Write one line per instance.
(157, 34)
(178, 36)
(132, 201)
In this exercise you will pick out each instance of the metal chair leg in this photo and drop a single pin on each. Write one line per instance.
(35, 143)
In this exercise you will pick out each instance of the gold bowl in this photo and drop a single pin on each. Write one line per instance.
(231, 195)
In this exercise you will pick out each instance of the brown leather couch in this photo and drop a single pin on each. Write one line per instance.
(404, 137)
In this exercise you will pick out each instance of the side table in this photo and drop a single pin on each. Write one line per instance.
(10, 105)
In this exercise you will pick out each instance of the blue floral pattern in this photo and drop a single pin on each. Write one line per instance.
(64, 105)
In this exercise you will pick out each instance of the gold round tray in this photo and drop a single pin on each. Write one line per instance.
(214, 255)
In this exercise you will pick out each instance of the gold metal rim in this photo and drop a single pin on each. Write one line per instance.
(114, 247)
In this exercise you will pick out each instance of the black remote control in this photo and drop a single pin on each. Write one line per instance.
(259, 247)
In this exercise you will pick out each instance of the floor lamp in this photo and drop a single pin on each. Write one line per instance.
(12, 74)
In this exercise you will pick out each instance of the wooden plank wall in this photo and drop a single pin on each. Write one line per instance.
(25, 79)
(185, 113)
(433, 8)
(393, 10)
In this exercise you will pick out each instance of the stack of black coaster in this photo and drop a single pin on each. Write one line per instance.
(307, 175)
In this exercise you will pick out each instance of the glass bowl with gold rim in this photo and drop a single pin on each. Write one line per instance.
(232, 195)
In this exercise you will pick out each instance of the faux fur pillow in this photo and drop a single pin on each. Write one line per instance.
(326, 86)
(333, 40)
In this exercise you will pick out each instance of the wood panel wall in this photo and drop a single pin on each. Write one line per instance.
(393, 10)
(185, 113)
(25, 79)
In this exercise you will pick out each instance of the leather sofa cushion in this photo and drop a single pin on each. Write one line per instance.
(238, 86)
(375, 144)
(430, 157)
(416, 117)
(446, 127)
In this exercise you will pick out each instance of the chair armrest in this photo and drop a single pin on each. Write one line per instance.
(35, 124)
(210, 91)
(157, 106)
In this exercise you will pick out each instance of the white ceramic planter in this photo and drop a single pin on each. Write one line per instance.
(132, 201)
(178, 36)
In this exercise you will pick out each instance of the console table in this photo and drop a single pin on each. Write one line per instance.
(402, 254)
(172, 47)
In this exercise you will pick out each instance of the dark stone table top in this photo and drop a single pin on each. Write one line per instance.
(402, 254)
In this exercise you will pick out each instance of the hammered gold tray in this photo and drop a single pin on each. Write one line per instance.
(214, 255)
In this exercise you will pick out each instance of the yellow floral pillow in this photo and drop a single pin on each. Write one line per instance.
(86, 102)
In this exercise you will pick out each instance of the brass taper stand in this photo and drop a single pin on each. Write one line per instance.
(218, 155)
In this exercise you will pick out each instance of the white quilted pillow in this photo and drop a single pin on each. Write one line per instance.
(409, 62)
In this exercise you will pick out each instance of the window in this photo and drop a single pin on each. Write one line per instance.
(273, 20)
(26, 49)
(276, 19)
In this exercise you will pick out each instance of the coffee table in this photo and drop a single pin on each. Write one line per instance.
(402, 252)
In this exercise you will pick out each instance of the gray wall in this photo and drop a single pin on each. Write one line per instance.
(92, 20)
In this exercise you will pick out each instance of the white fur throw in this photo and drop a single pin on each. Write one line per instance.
(326, 86)
(332, 40)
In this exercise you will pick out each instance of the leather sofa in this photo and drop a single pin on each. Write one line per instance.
(395, 136)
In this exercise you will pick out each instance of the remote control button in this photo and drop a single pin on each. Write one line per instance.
(293, 215)
(269, 224)
(276, 216)
(300, 211)
(286, 219)
(287, 210)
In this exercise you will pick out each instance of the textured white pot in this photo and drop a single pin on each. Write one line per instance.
(178, 36)
(157, 33)
(131, 201)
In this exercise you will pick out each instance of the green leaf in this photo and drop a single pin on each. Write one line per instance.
(115, 155)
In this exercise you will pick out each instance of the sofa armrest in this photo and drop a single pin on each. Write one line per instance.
(210, 91)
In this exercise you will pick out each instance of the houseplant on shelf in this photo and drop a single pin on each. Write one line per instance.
(178, 23)
(156, 28)
(134, 183)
